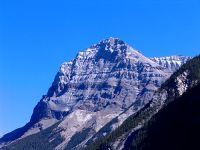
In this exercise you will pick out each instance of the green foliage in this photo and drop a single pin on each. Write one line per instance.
(78, 138)
(106, 129)
(130, 123)
(193, 66)
(47, 139)
(175, 127)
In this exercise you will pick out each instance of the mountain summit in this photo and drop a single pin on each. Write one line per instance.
(93, 94)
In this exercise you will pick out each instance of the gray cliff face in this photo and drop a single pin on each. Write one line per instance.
(98, 85)
(172, 63)
(106, 81)
(108, 73)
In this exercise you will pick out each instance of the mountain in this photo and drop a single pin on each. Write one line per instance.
(185, 78)
(90, 96)
(171, 62)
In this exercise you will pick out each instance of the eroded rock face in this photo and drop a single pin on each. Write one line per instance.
(101, 82)
(108, 73)
(172, 63)
(98, 85)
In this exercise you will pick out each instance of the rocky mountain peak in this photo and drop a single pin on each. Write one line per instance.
(98, 61)
(107, 79)
(112, 42)
(111, 49)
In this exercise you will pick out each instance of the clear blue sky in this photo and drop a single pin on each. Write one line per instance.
(36, 36)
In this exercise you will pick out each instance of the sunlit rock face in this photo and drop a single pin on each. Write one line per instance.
(109, 79)
(172, 63)
(101, 82)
